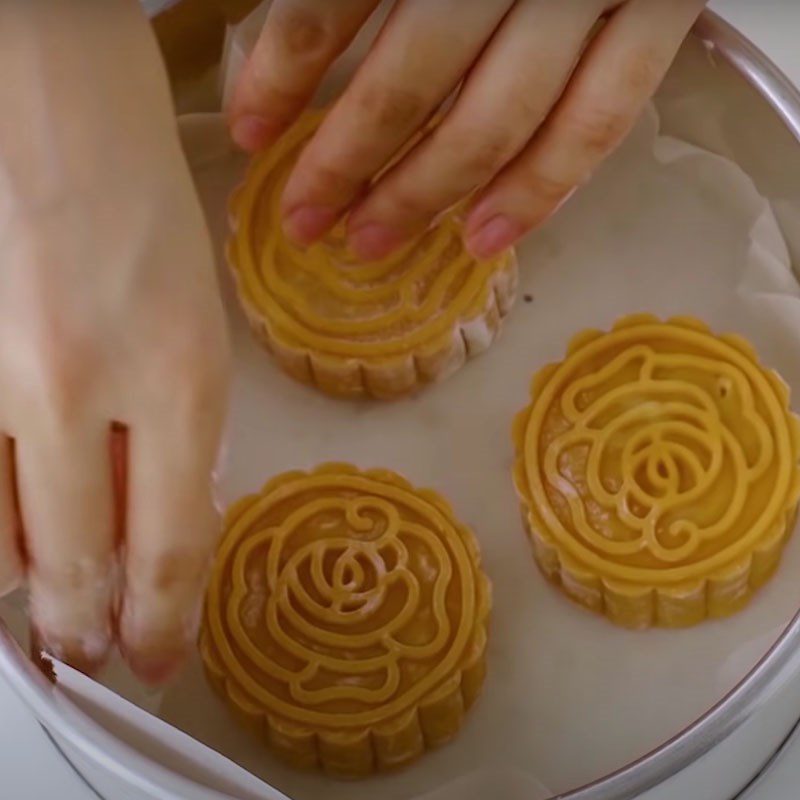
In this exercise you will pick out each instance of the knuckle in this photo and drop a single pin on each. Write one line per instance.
(597, 129)
(406, 204)
(59, 378)
(642, 70)
(262, 85)
(388, 106)
(271, 75)
(483, 151)
(547, 188)
(301, 31)
(192, 352)
(403, 204)
(327, 181)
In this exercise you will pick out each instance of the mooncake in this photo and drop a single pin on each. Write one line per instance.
(352, 329)
(346, 619)
(657, 466)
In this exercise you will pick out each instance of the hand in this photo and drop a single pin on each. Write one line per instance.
(109, 313)
(540, 103)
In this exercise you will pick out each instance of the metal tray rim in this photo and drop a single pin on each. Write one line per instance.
(778, 665)
(782, 660)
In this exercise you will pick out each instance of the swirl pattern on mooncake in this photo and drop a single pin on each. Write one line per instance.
(346, 619)
(658, 470)
(380, 329)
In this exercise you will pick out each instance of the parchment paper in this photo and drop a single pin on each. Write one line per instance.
(663, 227)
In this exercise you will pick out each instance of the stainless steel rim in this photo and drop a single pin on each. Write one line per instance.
(81, 777)
(780, 662)
(783, 658)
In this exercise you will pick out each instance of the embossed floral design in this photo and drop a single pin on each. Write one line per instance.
(343, 603)
(351, 328)
(658, 456)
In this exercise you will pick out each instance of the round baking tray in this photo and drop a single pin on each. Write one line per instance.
(745, 727)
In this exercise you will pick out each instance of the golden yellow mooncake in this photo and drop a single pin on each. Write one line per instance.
(658, 471)
(352, 329)
(346, 619)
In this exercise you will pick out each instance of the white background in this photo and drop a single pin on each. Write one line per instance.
(30, 769)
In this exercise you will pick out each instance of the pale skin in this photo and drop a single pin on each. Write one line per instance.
(110, 314)
(536, 109)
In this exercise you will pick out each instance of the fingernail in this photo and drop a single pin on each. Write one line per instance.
(157, 655)
(563, 201)
(156, 670)
(306, 224)
(374, 241)
(251, 133)
(494, 236)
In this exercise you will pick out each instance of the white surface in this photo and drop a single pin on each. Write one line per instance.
(557, 674)
(22, 744)
(780, 782)
(772, 25)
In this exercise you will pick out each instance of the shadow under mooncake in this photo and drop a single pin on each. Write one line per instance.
(353, 329)
(657, 467)
(346, 619)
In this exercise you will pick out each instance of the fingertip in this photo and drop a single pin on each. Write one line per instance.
(251, 133)
(156, 644)
(156, 668)
(155, 658)
(304, 225)
(490, 237)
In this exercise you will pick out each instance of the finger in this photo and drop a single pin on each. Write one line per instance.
(619, 72)
(11, 560)
(300, 40)
(417, 61)
(172, 530)
(507, 96)
(67, 504)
